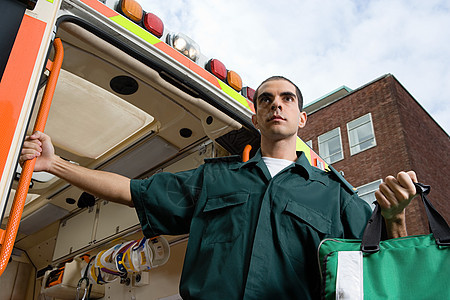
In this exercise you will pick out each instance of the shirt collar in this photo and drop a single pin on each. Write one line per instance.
(302, 164)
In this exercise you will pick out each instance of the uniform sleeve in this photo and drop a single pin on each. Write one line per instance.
(165, 202)
(355, 215)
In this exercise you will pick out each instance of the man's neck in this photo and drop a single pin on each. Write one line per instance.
(284, 149)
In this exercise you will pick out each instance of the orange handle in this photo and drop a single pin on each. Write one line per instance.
(8, 236)
(246, 153)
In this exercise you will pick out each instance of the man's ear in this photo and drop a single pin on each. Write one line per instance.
(302, 119)
(254, 121)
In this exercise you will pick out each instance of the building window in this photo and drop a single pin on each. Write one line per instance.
(330, 146)
(309, 143)
(361, 135)
(367, 192)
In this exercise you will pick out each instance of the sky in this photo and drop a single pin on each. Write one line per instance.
(323, 45)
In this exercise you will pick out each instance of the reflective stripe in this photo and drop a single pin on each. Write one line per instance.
(349, 277)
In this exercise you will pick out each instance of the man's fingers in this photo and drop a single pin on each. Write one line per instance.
(395, 193)
(35, 145)
(40, 136)
(36, 135)
(382, 201)
(406, 181)
(388, 194)
(29, 156)
(30, 151)
(32, 148)
(413, 176)
(399, 191)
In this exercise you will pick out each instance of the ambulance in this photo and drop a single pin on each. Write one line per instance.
(117, 91)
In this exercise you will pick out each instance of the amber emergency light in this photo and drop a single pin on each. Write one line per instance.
(132, 10)
(234, 80)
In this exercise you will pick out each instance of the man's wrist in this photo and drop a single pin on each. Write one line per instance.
(56, 163)
(396, 225)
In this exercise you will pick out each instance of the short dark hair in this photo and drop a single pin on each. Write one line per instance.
(277, 77)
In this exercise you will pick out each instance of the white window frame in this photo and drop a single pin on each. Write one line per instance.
(353, 150)
(309, 143)
(375, 184)
(326, 158)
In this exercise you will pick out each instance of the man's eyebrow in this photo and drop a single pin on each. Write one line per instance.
(288, 94)
(270, 95)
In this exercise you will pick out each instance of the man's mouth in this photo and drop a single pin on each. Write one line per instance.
(276, 118)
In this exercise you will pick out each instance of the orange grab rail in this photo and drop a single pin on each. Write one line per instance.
(8, 236)
(246, 153)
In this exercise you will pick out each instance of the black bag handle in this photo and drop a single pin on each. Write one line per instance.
(438, 225)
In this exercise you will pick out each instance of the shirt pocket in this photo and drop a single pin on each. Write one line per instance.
(302, 229)
(225, 217)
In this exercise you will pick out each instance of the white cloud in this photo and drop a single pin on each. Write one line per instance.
(322, 45)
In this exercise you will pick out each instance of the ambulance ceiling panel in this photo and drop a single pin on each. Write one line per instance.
(88, 120)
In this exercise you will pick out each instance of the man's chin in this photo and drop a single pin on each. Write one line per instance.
(277, 135)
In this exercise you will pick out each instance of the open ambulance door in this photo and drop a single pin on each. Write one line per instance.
(26, 34)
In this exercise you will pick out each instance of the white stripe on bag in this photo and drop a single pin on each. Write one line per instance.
(349, 277)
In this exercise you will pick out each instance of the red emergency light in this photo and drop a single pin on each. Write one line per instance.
(217, 68)
(248, 93)
(154, 24)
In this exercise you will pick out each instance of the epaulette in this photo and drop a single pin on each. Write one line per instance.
(224, 159)
(342, 180)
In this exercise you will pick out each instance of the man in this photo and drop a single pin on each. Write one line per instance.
(254, 226)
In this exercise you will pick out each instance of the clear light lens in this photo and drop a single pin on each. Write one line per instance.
(180, 44)
(185, 45)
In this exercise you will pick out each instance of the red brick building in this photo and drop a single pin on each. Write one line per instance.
(377, 130)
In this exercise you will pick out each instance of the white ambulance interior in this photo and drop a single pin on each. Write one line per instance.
(110, 112)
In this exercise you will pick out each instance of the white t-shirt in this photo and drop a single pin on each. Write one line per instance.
(275, 165)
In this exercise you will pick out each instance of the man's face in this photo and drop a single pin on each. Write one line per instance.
(278, 116)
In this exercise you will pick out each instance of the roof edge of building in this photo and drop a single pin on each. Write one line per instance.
(337, 95)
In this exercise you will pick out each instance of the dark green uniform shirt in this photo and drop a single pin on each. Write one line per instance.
(251, 236)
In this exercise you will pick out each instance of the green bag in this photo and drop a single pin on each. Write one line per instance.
(413, 267)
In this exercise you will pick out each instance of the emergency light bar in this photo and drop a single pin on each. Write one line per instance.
(183, 44)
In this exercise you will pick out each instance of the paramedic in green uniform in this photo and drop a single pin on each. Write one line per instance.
(255, 226)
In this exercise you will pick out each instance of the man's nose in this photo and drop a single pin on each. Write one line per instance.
(276, 104)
